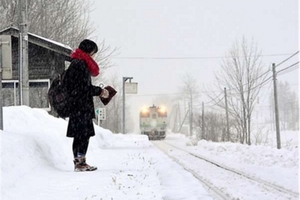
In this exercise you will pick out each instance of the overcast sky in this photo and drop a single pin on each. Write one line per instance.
(202, 29)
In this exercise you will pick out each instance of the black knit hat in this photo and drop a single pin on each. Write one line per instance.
(88, 46)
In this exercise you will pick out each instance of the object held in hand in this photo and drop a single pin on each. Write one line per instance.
(111, 93)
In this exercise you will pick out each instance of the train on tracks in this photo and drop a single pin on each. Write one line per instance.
(153, 122)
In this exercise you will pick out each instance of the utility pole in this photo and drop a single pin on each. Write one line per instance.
(179, 116)
(203, 122)
(191, 119)
(276, 107)
(227, 118)
(175, 125)
(23, 54)
(124, 121)
(191, 114)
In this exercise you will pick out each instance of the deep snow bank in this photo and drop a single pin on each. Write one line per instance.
(32, 138)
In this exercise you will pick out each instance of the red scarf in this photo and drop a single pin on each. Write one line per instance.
(92, 65)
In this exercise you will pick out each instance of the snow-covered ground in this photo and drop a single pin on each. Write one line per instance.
(36, 163)
(279, 167)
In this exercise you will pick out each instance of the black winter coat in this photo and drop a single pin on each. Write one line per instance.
(79, 86)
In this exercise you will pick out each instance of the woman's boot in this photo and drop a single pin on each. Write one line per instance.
(80, 165)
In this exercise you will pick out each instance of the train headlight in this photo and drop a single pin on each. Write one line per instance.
(162, 112)
(145, 112)
(162, 109)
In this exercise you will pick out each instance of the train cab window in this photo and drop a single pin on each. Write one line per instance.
(145, 115)
(153, 116)
(162, 114)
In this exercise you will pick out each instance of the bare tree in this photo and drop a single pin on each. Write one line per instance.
(190, 94)
(214, 126)
(242, 73)
(288, 107)
(65, 21)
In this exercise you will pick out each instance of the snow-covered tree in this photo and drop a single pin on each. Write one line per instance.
(243, 75)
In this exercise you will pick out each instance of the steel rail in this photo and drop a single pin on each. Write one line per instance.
(253, 178)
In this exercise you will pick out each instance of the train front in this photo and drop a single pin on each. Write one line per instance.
(153, 122)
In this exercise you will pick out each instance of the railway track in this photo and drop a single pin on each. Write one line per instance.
(261, 189)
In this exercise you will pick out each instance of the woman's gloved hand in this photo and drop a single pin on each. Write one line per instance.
(104, 93)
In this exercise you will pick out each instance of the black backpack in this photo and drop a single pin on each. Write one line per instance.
(58, 96)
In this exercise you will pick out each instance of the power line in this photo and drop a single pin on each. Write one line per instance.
(170, 94)
(202, 92)
(262, 84)
(287, 59)
(258, 86)
(213, 100)
(266, 81)
(288, 67)
(290, 70)
(184, 58)
(216, 102)
(245, 84)
(263, 74)
(165, 94)
(269, 79)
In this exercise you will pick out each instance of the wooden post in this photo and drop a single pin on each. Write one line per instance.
(23, 54)
(227, 118)
(276, 108)
(203, 122)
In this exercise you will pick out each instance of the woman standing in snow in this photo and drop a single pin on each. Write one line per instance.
(79, 86)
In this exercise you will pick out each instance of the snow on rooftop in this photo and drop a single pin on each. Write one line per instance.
(51, 41)
(42, 38)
